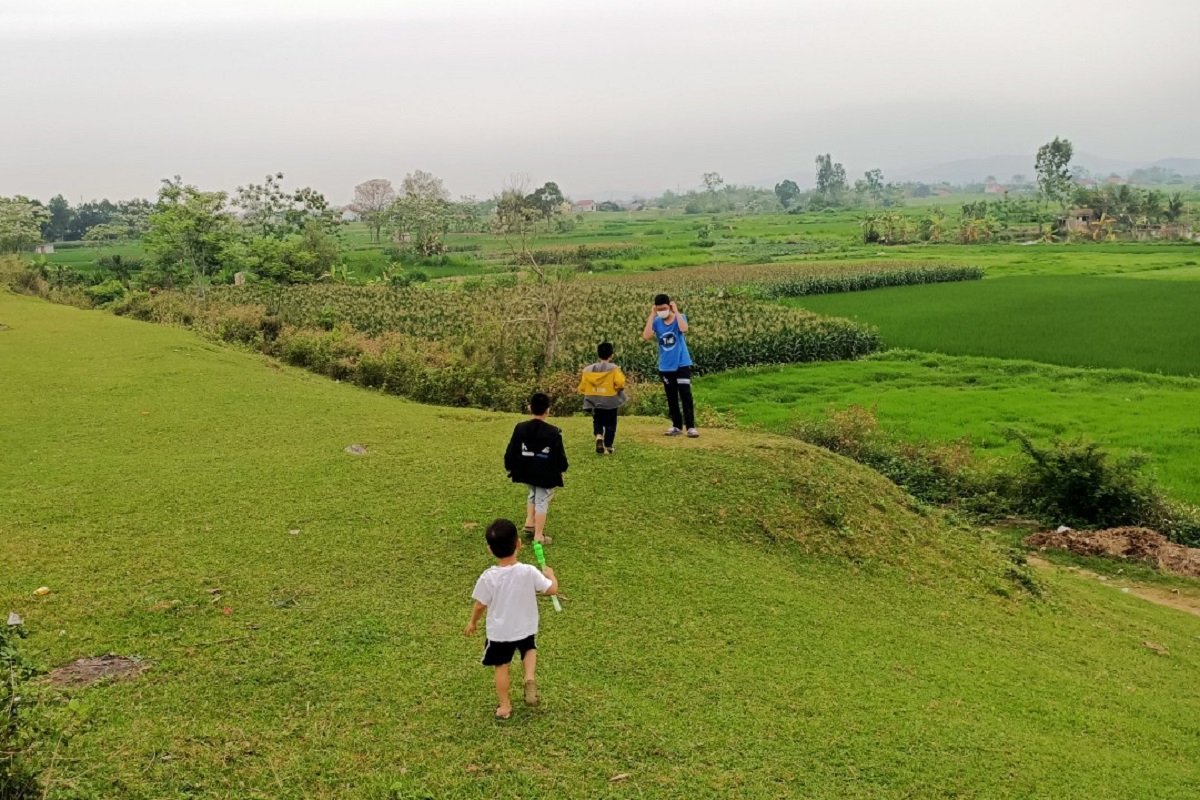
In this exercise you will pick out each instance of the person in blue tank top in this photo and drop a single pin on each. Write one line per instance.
(669, 328)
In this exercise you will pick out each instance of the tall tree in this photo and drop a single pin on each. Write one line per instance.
(60, 217)
(712, 182)
(1054, 171)
(372, 199)
(873, 182)
(422, 212)
(831, 178)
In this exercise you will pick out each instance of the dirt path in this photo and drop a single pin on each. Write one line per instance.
(1186, 600)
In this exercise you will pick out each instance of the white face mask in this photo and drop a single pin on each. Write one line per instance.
(663, 314)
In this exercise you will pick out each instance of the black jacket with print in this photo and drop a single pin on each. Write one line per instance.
(535, 455)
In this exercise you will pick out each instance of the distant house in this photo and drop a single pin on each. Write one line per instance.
(1080, 220)
(993, 188)
(1087, 183)
(583, 206)
(44, 249)
(350, 213)
(1116, 180)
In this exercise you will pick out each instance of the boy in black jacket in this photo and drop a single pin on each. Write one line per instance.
(536, 458)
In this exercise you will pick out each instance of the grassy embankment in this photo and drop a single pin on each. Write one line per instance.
(745, 616)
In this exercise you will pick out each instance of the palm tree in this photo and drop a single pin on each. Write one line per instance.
(1175, 206)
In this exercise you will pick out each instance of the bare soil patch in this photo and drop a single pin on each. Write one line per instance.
(86, 671)
(1135, 544)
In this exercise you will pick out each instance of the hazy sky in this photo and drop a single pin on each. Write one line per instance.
(105, 97)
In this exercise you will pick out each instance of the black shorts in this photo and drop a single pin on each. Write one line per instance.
(497, 654)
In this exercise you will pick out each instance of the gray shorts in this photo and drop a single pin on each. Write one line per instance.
(539, 498)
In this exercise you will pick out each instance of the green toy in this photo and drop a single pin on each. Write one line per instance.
(540, 554)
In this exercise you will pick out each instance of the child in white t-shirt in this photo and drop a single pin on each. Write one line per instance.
(508, 592)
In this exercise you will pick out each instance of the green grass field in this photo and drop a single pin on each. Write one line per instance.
(1066, 320)
(744, 616)
(942, 398)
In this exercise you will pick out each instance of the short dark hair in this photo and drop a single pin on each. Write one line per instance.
(539, 404)
(502, 538)
(661, 300)
(605, 350)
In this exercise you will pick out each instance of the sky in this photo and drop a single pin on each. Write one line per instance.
(103, 98)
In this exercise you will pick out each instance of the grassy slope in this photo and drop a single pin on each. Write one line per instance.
(705, 649)
(1067, 320)
(937, 397)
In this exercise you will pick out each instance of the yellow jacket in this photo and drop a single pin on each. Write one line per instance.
(602, 386)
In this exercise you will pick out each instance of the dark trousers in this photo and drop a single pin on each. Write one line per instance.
(604, 423)
(679, 391)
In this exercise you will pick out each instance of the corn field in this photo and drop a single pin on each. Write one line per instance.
(773, 281)
(510, 328)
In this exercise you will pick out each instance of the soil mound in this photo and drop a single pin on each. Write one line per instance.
(1137, 544)
(86, 671)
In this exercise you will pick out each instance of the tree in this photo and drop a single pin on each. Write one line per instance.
(191, 231)
(608, 205)
(106, 234)
(787, 191)
(372, 199)
(873, 181)
(55, 228)
(1175, 207)
(831, 178)
(1054, 171)
(712, 182)
(422, 213)
(514, 221)
(21, 222)
(546, 200)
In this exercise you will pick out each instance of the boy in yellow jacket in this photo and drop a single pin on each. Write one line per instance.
(603, 390)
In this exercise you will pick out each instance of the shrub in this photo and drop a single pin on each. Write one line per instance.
(1078, 483)
(107, 292)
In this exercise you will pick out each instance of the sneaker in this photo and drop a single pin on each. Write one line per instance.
(599, 445)
(610, 450)
(531, 694)
(673, 431)
(693, 433)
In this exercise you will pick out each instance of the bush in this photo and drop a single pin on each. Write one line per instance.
(1079, 484)
(107, 292)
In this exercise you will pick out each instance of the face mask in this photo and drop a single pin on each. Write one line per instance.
(664, 314)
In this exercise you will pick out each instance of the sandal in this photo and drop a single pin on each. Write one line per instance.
(500, 717)
(531, 694)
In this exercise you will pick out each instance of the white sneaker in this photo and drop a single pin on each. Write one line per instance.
(673, 431)
(693, 433)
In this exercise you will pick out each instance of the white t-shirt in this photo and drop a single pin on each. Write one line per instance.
(510, 594)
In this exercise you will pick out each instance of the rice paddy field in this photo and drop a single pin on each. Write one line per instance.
(1074, 321)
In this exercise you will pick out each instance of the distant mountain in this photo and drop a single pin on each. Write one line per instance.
(970, 170)
(977, 170)
(1187, 167)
